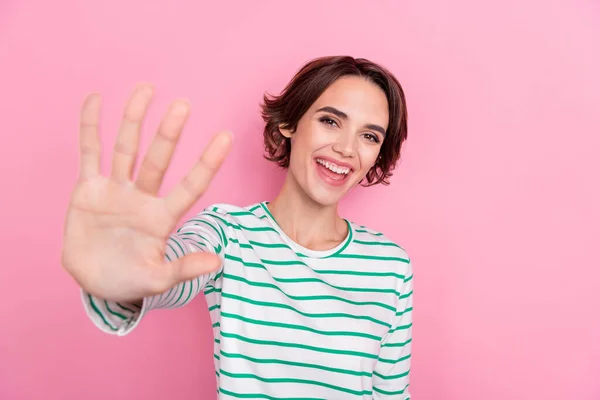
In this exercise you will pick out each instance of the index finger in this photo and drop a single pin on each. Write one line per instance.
(195, 183)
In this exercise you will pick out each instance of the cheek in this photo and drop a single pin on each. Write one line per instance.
(300, 155)
(307, 139)
(368, 157)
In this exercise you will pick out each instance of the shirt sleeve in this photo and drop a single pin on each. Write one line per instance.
(207, 231)
(391, 374)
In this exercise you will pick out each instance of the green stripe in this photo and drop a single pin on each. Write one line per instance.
(409, 309)
(389, 377)
(259, 244)
(401, 344)
(343, 288)
(298, 327)
(214, 307)
(390, 361)
(241, 245)
(253, 228)
(369, 257)
(125, 308)
(358, 273)
(348, 240)
(256, 207)
(241, 213)
(195, 234)
(295, 380)
(191, 290)
(113, 312)
(295, 364)
(284, 262)
(224, 234)
(266, 245)
(404, 296)
(199, 245)
(310, 315)
(309, 298)
(166, 298)
(173, 250)
(401, 327)
(246, 213)
(203, 246)
(171, 296)
(263, 396)
(315, 280)
(240, 227)
(218, 230)
(211, 290)
(391, 244)
(100, 314)
(366, 231)
(375, 388)
(298, 346)
(178, 245)
(181, 294)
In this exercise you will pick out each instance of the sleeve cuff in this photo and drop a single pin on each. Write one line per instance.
(115, 318)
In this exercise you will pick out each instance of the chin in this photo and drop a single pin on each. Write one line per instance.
(325, 196)
(326, 201)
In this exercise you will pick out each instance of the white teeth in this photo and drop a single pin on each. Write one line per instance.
(333, 167)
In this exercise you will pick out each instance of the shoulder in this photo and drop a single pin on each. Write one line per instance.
(223, 219)
(379, 246)
(235, 214)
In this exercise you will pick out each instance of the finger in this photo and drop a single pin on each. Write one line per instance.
(126, 146)
(89, 142)
(191, 266)
(185, 194)
(161, 150)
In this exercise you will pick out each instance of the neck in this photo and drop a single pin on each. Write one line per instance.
(306, 222)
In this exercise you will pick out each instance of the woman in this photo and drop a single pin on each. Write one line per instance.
(304, 303)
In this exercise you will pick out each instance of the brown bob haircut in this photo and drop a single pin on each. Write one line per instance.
(308, 84)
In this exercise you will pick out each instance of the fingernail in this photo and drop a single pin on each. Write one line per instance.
(181, 108)
(145, 89)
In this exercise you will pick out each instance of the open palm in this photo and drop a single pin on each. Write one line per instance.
(116, 228)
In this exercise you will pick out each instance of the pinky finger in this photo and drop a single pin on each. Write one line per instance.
(89, 142)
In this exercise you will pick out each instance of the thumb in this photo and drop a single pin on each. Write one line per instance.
(194, 265)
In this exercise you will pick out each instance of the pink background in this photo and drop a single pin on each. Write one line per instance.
(497, 198)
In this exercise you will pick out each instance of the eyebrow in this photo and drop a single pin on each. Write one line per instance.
(343, 115)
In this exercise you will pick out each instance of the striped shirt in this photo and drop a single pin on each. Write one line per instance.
(290, 322)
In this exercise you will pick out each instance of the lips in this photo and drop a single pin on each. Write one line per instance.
(331, 172)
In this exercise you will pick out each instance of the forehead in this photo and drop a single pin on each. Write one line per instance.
(361, 99)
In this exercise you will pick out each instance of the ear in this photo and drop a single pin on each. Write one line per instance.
(285, 132)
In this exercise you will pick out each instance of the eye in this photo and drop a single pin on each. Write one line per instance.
(371, 137)
(328, 121)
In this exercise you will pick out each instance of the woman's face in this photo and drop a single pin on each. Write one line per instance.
(338, 139)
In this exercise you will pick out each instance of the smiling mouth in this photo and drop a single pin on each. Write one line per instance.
(331, 172)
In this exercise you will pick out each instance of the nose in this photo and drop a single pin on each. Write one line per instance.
(345, 144)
